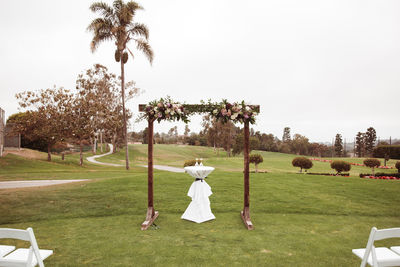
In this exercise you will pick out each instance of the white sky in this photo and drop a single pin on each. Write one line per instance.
(319, 67)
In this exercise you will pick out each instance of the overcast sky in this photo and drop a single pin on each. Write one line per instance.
(319, 67)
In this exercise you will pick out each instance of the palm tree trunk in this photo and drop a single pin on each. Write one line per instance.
(124, 113)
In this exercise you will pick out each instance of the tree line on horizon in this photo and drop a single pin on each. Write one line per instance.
(229, 138)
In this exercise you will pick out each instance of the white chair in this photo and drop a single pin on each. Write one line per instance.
(4, 250)
(381, 256)
(22, 256)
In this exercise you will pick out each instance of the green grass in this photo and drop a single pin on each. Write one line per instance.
(300, 220)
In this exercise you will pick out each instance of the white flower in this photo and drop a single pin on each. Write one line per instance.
(248, 108)
(215, 112)
(233, 117)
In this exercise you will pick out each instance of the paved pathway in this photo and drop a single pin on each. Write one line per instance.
(33, 183)
(166, 168)
(158, 167)
(92, 159)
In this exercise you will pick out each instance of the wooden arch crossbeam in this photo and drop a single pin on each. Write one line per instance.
(152, 214)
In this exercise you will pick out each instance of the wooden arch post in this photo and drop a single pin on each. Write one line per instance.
(151, 213)
(245, 213)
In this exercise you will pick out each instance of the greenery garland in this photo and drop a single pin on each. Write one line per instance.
(166, 109)
(235, 112)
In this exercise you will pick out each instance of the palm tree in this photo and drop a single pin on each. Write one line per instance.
(116, 24)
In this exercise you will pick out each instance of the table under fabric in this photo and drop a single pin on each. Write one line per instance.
(199, 209)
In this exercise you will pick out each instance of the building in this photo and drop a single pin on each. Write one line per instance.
(12, 140)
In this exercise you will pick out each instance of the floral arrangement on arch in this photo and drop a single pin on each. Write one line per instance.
(166, 109)
(235, 112)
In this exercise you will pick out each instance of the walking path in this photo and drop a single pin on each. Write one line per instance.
(158, 167)
(166, 168)
(92, 159)
(33, 183)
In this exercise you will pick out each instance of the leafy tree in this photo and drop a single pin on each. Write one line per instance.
(268, 142)
(46, 117)
(398, 166)
(370, 139)
(256, 159)
(302, 163)
(316, 149)
(117, 24)
(340, 166)
(338, 145)
(238, 145)
(300, 144)
(372, 163)
(97, 105)
(286, 135)
(360, 144)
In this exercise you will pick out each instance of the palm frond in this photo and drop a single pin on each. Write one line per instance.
(133, 6)
(98, 39)
(139, 29)
(106, 10)
(143, 45)
(118, 4)
(100, 24)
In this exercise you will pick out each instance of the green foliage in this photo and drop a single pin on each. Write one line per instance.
(256, 158)
(398, 166)
(238, 145)
(393, 151)
(190, 162)
(372, 163)
(338, 145)
(370, 138)
(302, 163)
(286, 135)
(340, 166)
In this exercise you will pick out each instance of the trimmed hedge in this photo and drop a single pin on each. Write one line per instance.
(302, 163)
(381, 150)
(328, 174)
(340, 166)
(379, 174)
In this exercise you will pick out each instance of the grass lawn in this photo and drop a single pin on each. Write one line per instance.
(300, 220)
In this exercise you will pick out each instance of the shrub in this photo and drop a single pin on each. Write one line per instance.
(398, 166)
(379, 174)
(372, 163)
(340, 166)
(302, 163)
(256, 159)
(190, 162)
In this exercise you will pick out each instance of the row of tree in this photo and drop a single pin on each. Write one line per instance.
(90, 112)
(228, 137)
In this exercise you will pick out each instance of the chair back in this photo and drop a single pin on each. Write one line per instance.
(25, 235)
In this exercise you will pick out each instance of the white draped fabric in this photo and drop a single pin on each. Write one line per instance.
(199, 208)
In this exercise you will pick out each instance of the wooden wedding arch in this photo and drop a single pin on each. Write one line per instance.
(152, 214)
